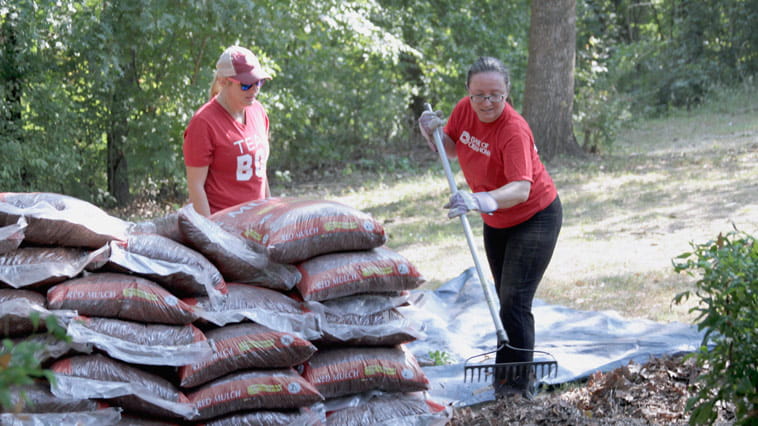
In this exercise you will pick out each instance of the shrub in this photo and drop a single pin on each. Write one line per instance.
(20, 364)
(728, 312)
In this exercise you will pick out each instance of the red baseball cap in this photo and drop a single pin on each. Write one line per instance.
(240, 64)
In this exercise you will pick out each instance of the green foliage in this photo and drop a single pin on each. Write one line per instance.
(728, 312)
(20, 364)
(440, 357)
(600, 110)
(96, 95)
(669, 54)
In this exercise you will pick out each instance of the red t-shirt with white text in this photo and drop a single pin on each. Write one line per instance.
(236, 154)
(494, 154)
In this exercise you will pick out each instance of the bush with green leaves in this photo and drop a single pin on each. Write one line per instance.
(727, 289)
(20, 364)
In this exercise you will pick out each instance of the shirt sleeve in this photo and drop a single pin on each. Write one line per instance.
(198, 146)
(517, 157)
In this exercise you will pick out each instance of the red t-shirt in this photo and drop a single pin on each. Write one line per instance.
(494, 154)
(236, 154)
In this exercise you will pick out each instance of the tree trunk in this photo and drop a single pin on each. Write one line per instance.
(549, 92)
(118, 133)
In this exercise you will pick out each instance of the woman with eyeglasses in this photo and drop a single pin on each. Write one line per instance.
(226, 144)
(516, 196)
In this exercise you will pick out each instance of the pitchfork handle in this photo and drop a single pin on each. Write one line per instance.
(486, 286)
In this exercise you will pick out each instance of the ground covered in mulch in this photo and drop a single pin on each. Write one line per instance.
(652, 393)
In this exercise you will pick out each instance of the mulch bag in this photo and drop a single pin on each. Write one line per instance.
(15, 309)
(246, 346)
(306, 416)
(23, 312)
(100, 416)
(254, 390)
(42, 266)
(291, 230)
(384, 328)
(140, 343)
(231, 254)
(12, 235)
(127, 297)
(37, 398)
(51, 347)
(165, 226)
(388, 409)
(264, 306)
(100, 377)
(179, 269)
(345, 371)
(336, 275)
(61, 220)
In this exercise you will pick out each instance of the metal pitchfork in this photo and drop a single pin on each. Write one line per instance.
(473, 368)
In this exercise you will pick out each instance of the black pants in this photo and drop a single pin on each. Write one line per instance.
(518, 257)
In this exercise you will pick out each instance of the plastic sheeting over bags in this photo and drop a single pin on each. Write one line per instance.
(140, 343)
(43, 266)
(12, 235)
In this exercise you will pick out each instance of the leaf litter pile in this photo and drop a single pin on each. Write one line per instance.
(652, 393)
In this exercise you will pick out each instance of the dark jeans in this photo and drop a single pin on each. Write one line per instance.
(518, 257)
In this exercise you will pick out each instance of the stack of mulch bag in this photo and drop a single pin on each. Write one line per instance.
(274, 312)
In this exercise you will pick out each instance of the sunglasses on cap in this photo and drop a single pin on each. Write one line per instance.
(246, 87)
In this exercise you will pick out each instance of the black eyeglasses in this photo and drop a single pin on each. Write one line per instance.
(246, 87)
(477, 99)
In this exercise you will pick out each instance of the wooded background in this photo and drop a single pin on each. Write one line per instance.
(96, 94)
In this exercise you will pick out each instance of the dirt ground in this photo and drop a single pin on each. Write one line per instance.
(655, 393)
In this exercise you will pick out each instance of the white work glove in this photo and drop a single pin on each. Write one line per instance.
(428, 122)
(462, 202)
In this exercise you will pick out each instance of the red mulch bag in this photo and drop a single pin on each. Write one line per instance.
(141, 343)
(246, 346)
(124, 385)
(345, 371)
(179, 269)
(37, 398)
(61, 220)
(165, 226)
(385, 328)
(51, 347)
(264, 306)
(15, 309)
(254, 390)
(127, 297)
(12, 235)
(291, 230)
(43, 266)
(302, 417)
(231, 254)
(389, 408)
(336, 275)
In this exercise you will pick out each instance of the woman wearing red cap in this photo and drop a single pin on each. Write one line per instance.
(226, 142)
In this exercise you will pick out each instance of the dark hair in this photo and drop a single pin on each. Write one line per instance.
(489, 64)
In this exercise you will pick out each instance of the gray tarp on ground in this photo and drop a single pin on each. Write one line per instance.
(457, 321)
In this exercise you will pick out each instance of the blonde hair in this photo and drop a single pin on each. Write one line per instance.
(215, 86)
